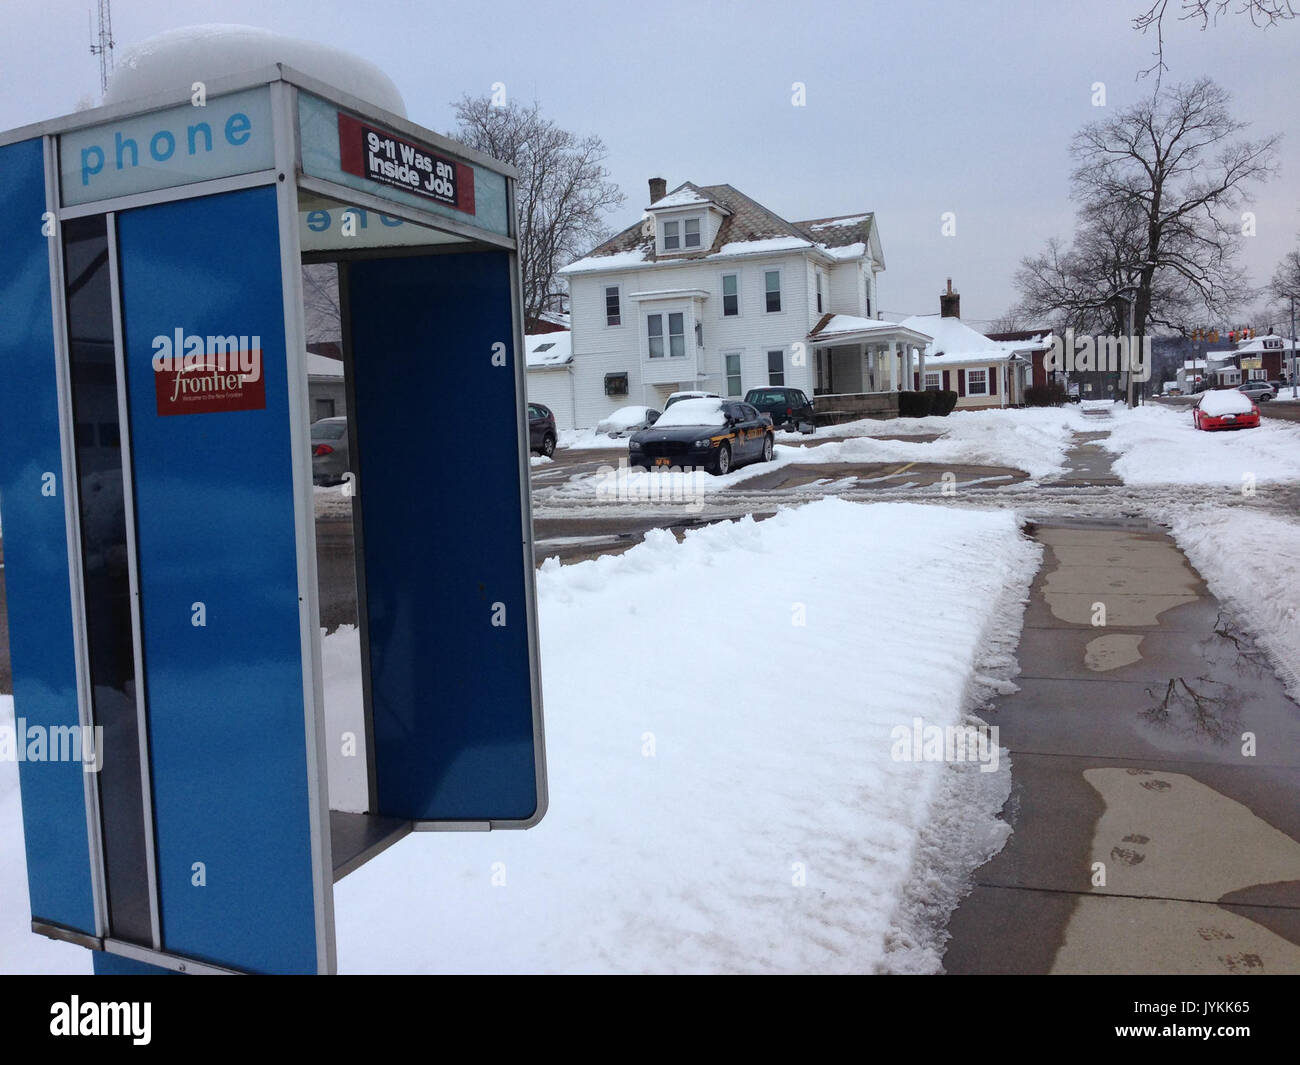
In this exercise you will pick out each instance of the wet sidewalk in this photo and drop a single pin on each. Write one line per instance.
(1155, 800)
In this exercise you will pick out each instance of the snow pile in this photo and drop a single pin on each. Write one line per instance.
(1159, 445)
(1265, 594)
(1225, 401)
(171, 62)
(718, 717)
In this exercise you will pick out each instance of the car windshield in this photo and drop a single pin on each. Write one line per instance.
(328, 430)
(1225, 401)
(759, 398)
(693, 412)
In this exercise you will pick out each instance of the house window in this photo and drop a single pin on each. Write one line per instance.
(676, 334)
(672, 236)
(772, 287)
(732, 360)
(868, 301)
(613, 314)
(654, 324)
(977, 382)
(616, 384)
(933, 381)
(324, 409)
(691, 229)
(730, 295)
(819, 292)
(776, 367)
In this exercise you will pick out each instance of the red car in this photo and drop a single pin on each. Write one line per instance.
(1225, 408)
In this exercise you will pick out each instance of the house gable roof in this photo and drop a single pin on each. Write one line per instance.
(749, 227)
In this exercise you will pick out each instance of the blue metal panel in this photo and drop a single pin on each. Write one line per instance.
(35, 549)
(215, 520)
(442, 521)
(115, 965)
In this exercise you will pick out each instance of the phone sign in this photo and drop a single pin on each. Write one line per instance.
(381, 156)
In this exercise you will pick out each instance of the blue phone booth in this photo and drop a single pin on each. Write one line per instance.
(159, 512)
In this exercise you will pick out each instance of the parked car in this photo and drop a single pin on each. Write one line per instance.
(717, 434)
(677, 397)
(1259, 391)
(1279, 387)
(1225, 408)
(541, 429)
(790, 408)
(627, 420)
(330, 454)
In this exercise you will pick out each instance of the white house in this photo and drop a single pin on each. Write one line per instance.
(711, 290)
(982, 371)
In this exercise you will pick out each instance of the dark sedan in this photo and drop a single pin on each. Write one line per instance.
(715, 434)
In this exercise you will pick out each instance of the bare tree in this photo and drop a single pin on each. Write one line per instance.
(1263, 13)
(1160, 188)
(563, 193)
(320, 298)
(1285, 286)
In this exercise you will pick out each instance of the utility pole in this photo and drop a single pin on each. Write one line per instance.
(102, 46)
(1293, 351)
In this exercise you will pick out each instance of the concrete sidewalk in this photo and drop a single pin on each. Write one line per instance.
(1155, 800)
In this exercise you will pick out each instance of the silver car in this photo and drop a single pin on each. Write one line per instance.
(330, 458)
(1258, 390)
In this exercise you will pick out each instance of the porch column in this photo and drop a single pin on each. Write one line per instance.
(920, 365)
(909, 382)
(892, 358)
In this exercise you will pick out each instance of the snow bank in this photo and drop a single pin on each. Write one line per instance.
(1159, 445)
(171, 62)
(1264, 592)
(718, 717)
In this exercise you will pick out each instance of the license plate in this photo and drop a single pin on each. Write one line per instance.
(663, 462)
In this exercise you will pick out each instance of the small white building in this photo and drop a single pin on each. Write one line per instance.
(550, 373)
(712, 290)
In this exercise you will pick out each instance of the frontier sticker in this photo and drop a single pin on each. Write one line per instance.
(391, 160)
(207, 374)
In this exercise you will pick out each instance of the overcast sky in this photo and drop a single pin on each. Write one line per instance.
(914, 108)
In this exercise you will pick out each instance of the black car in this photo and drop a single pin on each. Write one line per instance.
(541, 429)
(716, 434)
(790, 408)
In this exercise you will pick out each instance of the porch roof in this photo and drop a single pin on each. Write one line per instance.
(833, 329)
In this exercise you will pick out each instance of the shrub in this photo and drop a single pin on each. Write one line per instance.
(915, 404)
(1049, 395)
(944, 402)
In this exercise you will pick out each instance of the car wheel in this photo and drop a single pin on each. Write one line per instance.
(722, 464)
(767, 448)
(548, 445)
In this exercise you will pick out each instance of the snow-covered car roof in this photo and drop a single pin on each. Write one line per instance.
(626, 416)
(692, 412)
(1225, 401)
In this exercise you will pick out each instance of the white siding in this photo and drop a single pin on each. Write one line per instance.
(554, 388)
(599, 349)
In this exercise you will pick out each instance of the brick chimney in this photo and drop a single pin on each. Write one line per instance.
(658, 189)
(949, 303)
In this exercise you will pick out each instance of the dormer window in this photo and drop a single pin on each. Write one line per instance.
(682, 233)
